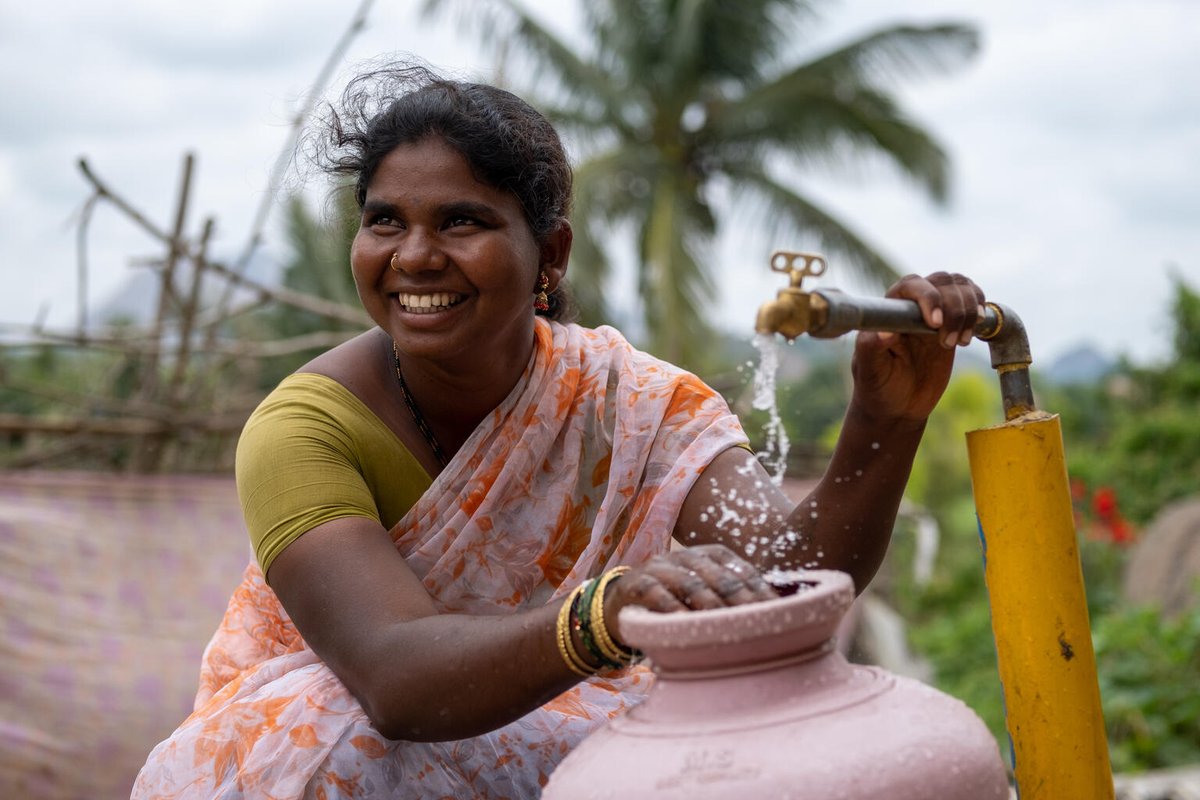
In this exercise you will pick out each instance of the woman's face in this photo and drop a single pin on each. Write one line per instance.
(467, 261)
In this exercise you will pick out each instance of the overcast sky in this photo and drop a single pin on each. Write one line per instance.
(1075, 137)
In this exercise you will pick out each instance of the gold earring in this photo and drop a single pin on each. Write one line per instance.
(395, 262)
(540, 301)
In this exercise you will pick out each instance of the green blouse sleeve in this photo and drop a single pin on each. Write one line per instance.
(312, 453)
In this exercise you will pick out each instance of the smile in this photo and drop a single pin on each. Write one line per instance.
(429, 303)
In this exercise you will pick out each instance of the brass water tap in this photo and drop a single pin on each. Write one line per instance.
(793, 311)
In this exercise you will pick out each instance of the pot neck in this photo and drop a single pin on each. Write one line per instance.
(748, 668)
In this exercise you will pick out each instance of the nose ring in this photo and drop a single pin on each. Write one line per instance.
(395, 262)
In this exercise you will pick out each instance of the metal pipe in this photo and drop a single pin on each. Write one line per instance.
(835, 313)
(829, 313)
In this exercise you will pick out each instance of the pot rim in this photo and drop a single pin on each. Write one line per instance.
(718, 637)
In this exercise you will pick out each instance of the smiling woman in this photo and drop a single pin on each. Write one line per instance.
(448, 265)
(450, 511)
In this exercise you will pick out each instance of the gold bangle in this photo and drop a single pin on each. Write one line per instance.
(566, 647)
(611, 650)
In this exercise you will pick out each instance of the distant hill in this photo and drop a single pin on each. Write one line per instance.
(1082, 364)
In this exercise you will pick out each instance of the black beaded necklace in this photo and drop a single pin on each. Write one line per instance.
(422, 425)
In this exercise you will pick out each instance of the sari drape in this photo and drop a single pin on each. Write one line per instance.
(583, 467)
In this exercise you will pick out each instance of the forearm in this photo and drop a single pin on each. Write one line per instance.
(846, 522)
(452, 676)
(418, 674)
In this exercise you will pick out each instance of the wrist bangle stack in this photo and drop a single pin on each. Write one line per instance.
(583, 611)
(611, 653)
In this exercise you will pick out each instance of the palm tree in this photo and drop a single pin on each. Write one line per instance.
(679, 101)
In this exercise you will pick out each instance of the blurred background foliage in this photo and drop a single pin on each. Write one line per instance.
(1132, 436)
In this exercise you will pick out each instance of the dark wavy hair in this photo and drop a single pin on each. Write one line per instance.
(507, 143)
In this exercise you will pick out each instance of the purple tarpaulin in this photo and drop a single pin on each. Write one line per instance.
(110, 586)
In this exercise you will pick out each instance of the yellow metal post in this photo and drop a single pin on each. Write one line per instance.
(1039, 610)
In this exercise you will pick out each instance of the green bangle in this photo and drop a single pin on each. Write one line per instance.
(583, 604)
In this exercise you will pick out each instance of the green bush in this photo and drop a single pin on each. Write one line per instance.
(1149, 667)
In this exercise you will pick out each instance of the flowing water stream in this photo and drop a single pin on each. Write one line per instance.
(774, 454)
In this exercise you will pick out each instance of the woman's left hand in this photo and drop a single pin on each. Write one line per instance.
(902, 376)
(696, 578)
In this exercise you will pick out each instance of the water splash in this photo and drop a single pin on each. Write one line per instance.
(741, 514)
(774, 454)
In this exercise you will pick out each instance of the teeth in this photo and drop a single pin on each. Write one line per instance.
(425, 303)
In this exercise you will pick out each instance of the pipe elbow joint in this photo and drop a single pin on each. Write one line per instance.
(1008, 342)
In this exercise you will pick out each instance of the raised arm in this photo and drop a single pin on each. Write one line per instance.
(846, 521)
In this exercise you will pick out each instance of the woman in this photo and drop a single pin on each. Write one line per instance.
(451, 509)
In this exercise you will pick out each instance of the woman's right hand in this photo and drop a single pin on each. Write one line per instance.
(692, 579)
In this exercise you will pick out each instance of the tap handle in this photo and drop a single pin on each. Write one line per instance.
(810, 264)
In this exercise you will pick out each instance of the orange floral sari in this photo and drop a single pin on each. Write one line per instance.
(583, 467)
